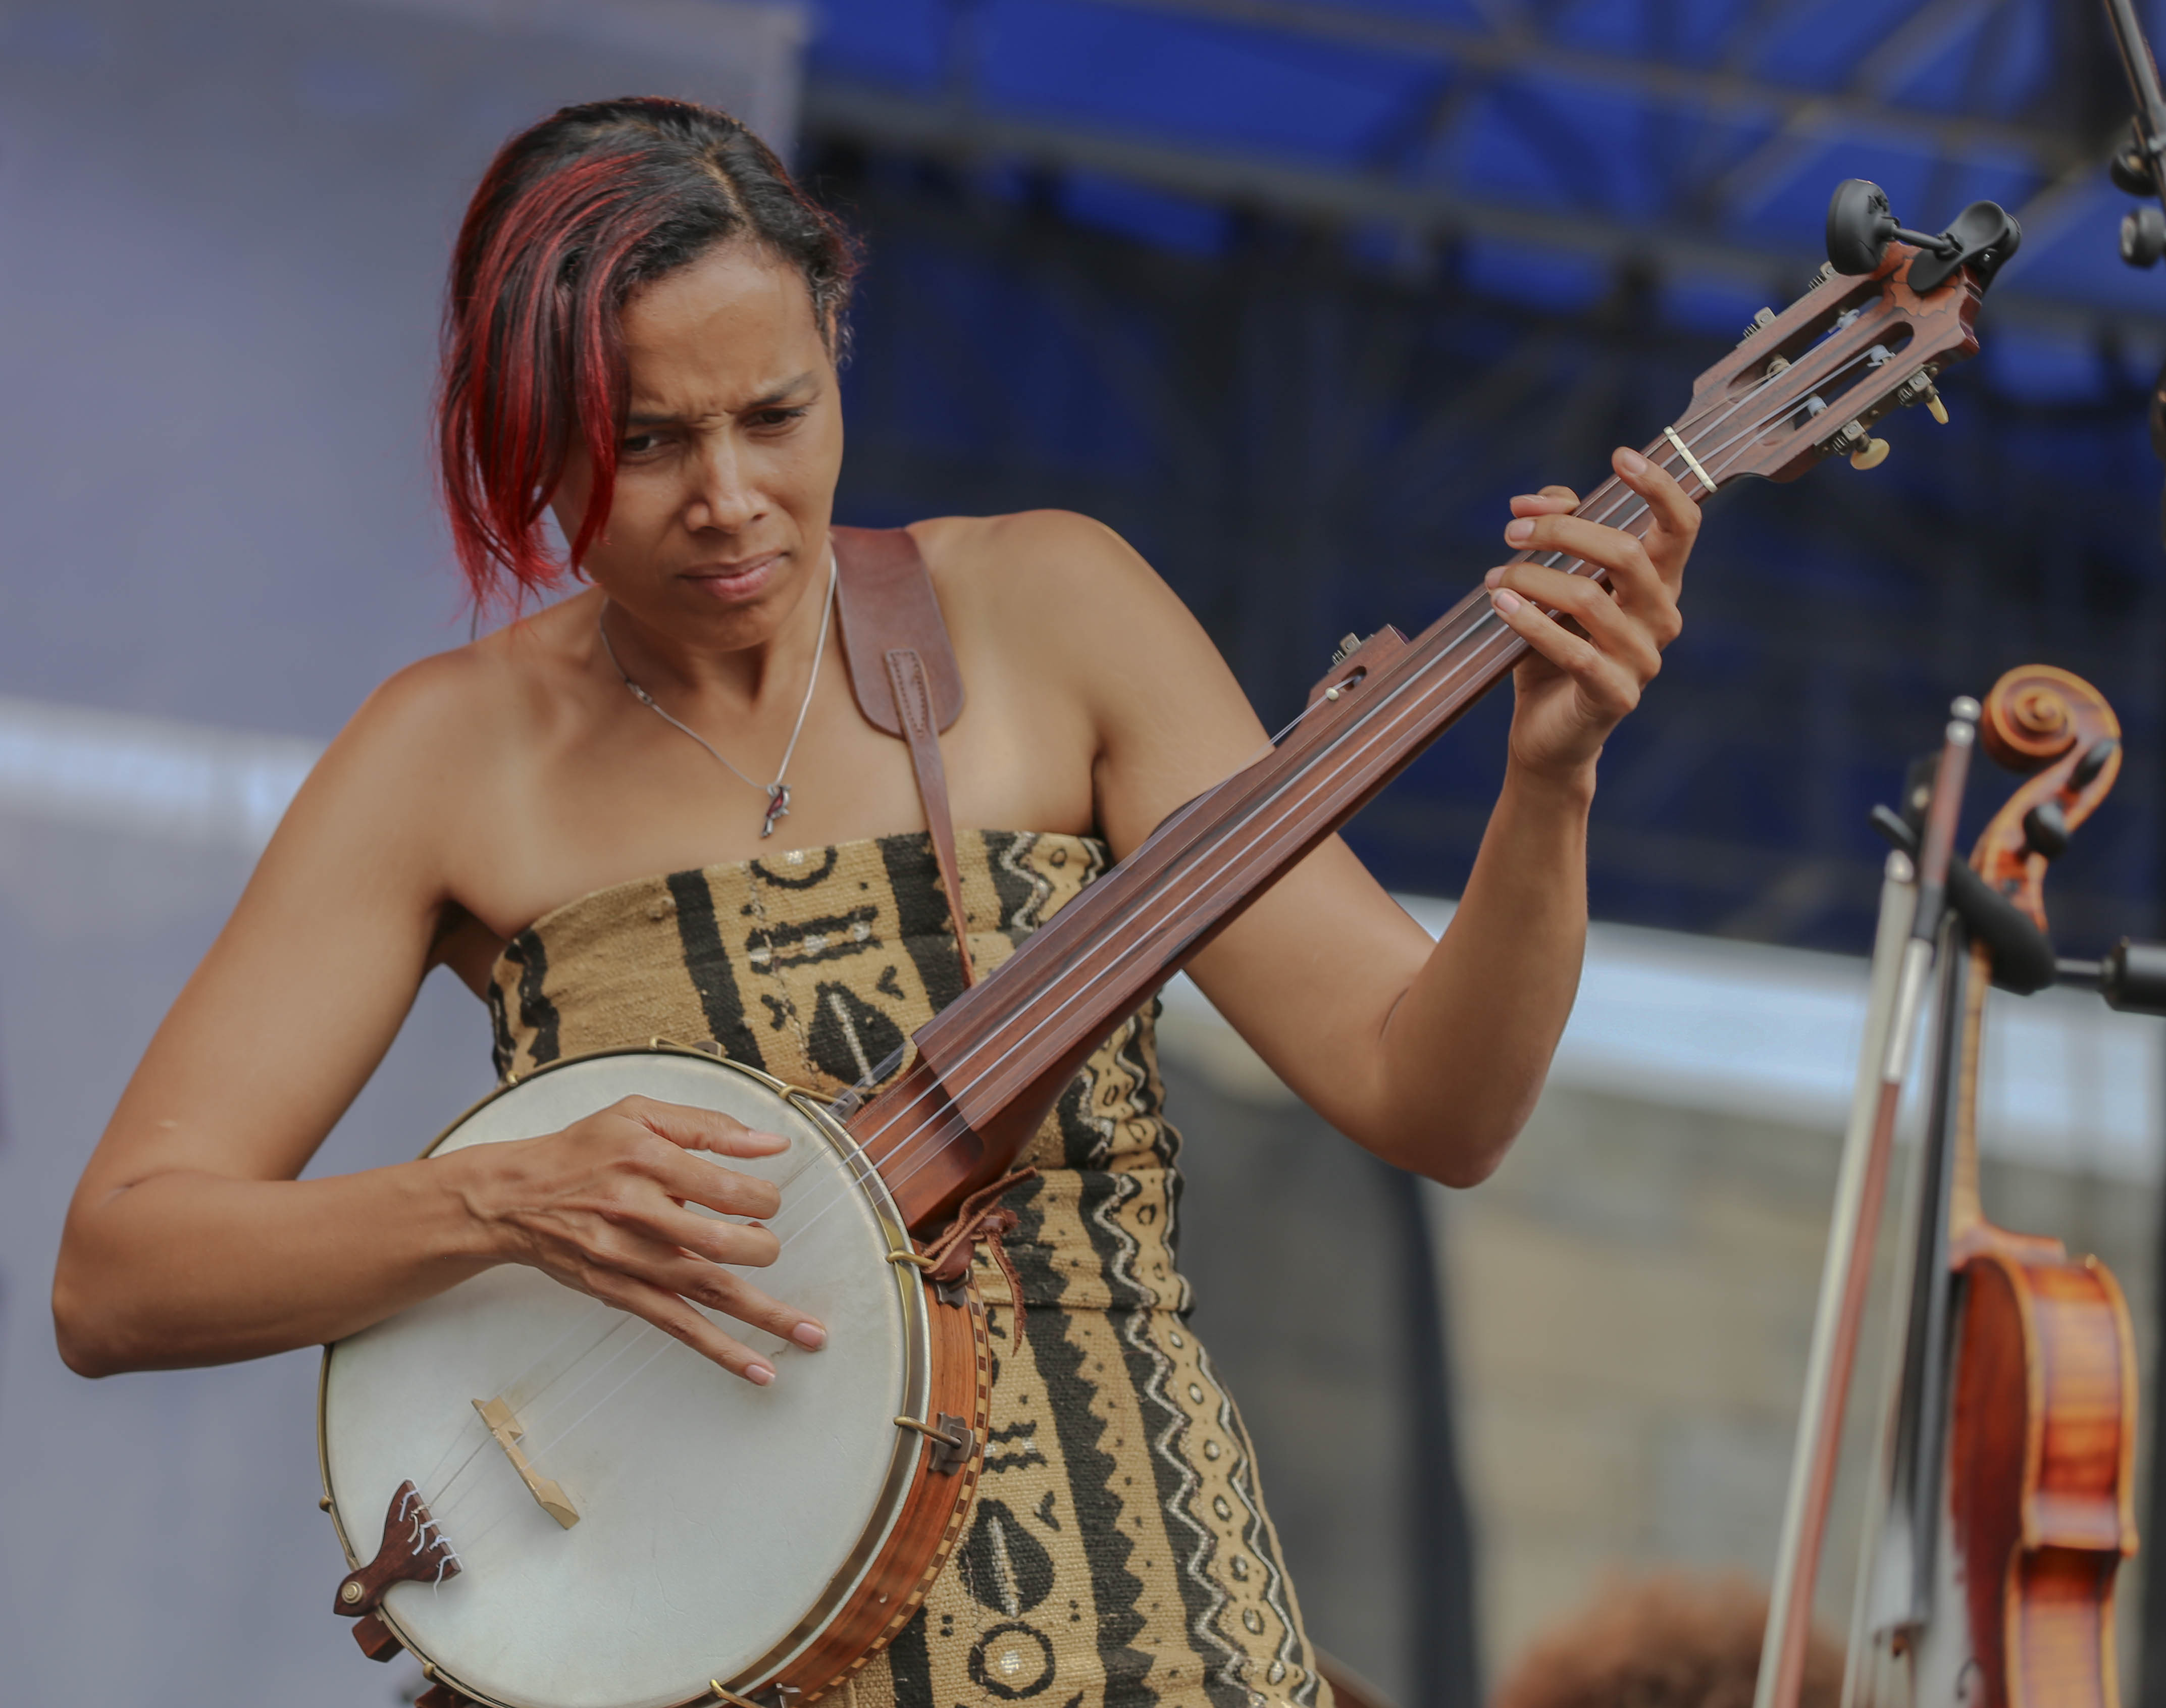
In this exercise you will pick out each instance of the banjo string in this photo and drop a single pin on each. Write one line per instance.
(585, 1382)
(1487, 619)
(436, 1503)
(937, 1140)
(931, 1144)
(1627, 500)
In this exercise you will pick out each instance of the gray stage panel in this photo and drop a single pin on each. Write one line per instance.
(222, 224)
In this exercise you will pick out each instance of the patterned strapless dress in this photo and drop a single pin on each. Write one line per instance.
(1119, 1552)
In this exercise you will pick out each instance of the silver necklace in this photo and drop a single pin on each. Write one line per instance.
(778, 791)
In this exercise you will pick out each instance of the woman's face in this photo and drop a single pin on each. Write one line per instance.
(732, 441)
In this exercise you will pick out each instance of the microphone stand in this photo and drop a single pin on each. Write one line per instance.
(2137, 169)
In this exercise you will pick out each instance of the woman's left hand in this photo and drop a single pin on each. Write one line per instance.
(1587, 673)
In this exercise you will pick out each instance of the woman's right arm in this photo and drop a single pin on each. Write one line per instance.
(190, 1241)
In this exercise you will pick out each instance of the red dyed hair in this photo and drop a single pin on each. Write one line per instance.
(572, 216)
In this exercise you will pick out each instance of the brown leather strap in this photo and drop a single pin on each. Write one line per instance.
(982, 1220)
(903, 671)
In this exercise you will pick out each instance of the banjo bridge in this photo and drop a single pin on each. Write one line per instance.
(548, 1495)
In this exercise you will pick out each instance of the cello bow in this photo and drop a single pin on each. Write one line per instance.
(1911, 905)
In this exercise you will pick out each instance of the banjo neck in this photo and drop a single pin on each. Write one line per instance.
(996, 1059)
(1798, 387)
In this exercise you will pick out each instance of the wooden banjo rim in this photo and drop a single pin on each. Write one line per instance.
(905, 1470)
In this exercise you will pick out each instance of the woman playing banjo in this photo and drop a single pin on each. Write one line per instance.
(644, 324)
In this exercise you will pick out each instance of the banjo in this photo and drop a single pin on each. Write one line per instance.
(553, 1505)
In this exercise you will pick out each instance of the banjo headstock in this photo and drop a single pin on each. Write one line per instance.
(1810, 381)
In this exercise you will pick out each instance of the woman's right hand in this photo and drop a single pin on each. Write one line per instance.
(603, 1208)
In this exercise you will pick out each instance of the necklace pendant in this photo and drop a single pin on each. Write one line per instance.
(777, 807)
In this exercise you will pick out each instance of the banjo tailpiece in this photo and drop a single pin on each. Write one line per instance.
(414, 1550)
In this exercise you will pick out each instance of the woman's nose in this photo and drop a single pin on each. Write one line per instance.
(726, 499)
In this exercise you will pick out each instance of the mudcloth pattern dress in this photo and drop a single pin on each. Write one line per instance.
(1118, 1553)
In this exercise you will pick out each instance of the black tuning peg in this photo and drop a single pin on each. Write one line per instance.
(2143, 235)
(2093, 762)
(2046, 829)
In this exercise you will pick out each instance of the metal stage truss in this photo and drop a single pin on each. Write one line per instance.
(1307, 442)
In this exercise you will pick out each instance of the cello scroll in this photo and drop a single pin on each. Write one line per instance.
(2045, 720)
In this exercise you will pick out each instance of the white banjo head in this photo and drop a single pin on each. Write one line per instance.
(719, 1525)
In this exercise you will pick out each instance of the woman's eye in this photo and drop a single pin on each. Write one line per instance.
(639, 444)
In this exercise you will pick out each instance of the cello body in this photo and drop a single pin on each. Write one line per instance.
(2042, 1464)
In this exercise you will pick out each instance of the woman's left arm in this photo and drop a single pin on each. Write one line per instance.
(1430, 1056)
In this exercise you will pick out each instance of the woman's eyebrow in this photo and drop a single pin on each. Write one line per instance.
(767, 399)
(779, 394)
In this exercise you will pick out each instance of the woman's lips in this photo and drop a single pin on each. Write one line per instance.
(735, 582)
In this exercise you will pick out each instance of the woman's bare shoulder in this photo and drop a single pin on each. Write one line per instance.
(1059, 608)
(473, 704)
(1034, 548)
(1062, 583)
(447, 738)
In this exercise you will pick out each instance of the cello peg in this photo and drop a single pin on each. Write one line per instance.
(2093, 762)
(2046, 829)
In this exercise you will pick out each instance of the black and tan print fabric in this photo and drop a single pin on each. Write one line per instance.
(1119, 1552)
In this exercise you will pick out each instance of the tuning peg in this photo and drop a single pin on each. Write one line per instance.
(2093, 762)
(1870, 455)
(1919, 388)
(2046, 829)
